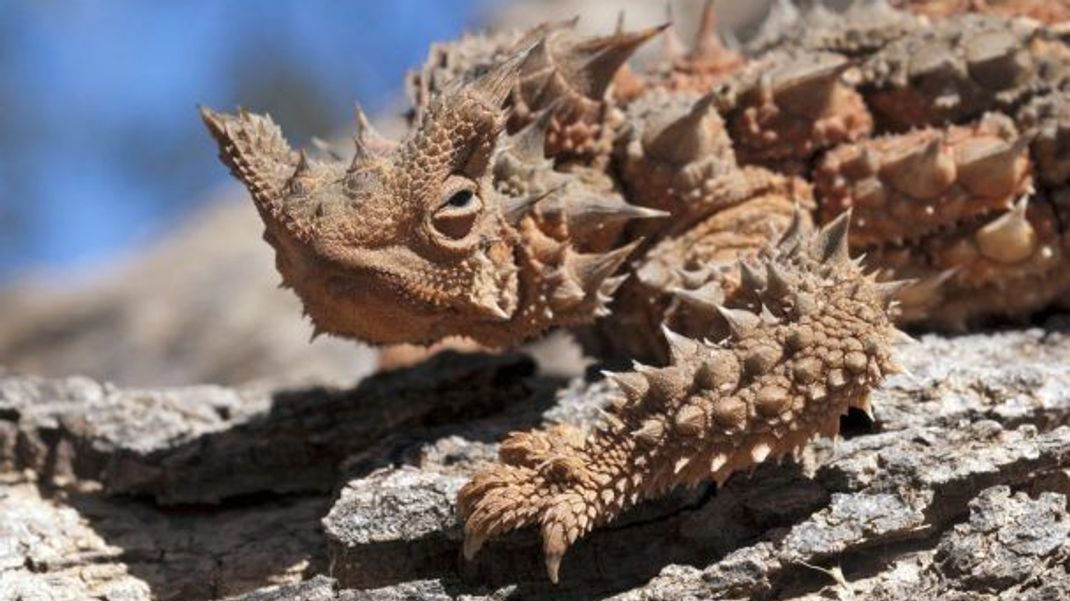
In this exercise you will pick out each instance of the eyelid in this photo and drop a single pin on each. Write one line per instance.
(446, 203)
(471, 202)
(454, 185)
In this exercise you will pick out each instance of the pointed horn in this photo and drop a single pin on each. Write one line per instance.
(632, 384)
(474, 110)
(681, 348)
(831, 242)
(596, 61)
(530, 142)
(302, 165)
(793, 235)
(596, 210)
(740, 322)
(672, 47)
(922, 173)
(888, 292)
(751, 279)
(591, 269)
(1009, 238)
(515, 208)
(325, 148)
(253, 147)
(811, 73)
(368, 141)
(684, 139)
(705, 299)
(497, 84)
(926, 292)
(777, 282)
(707, 39)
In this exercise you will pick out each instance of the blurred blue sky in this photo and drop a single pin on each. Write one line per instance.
(101, 147)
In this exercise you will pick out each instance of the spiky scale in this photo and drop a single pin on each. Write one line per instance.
(658, 446)
(563, 197)
(740, 321)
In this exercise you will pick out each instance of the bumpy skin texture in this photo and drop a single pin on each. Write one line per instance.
(931, 204)
(960, 183)
(560, 71)
(695, 69)
(545, 183)
(959, 68)
(457, 230)
(1048, 11)
(814, 343)
(794, 106)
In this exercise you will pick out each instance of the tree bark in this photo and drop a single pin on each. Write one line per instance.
(957, 490)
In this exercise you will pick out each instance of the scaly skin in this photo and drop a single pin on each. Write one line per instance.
(1047, 11)
(959, 68)
(816, 341)
(544, 183)
(931, 205)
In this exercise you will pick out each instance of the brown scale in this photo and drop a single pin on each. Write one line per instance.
(951, 209)
(697, 69)
(797, 106)
(528, 196)
(562, 70)
(675, 154)
(1011, 264)
(819, 342)
(959, 68)
(1045, 11)
(901, 187)
(581, 204)
(677, 279)
(447, 233)
(699, 267)
(571, 76)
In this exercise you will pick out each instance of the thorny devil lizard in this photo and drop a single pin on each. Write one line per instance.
(545, 183)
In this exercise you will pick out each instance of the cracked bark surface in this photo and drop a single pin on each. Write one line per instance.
(977, 412)
(956, 491)
(204, 444)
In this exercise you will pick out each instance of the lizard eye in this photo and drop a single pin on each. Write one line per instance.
(458, 210)
(461, 199)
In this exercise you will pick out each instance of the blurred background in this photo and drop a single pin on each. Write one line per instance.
(126, 251)
(100, 146)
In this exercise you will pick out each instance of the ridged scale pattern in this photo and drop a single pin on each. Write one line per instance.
(815, 340)
(545, 182)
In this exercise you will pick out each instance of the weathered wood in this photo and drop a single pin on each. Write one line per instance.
(968, 452)
(204, 444)
(976, 412)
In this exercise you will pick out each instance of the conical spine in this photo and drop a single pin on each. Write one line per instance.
(821, 341)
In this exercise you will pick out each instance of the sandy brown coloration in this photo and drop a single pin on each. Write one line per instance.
(545, 183)
(814, 343)
(797, 106)
(1047, 11)
(415, 242)
(958, 68)
(951, 209)
(903, 187)
(696, 69)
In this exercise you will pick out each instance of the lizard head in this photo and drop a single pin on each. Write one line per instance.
(408, 242)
